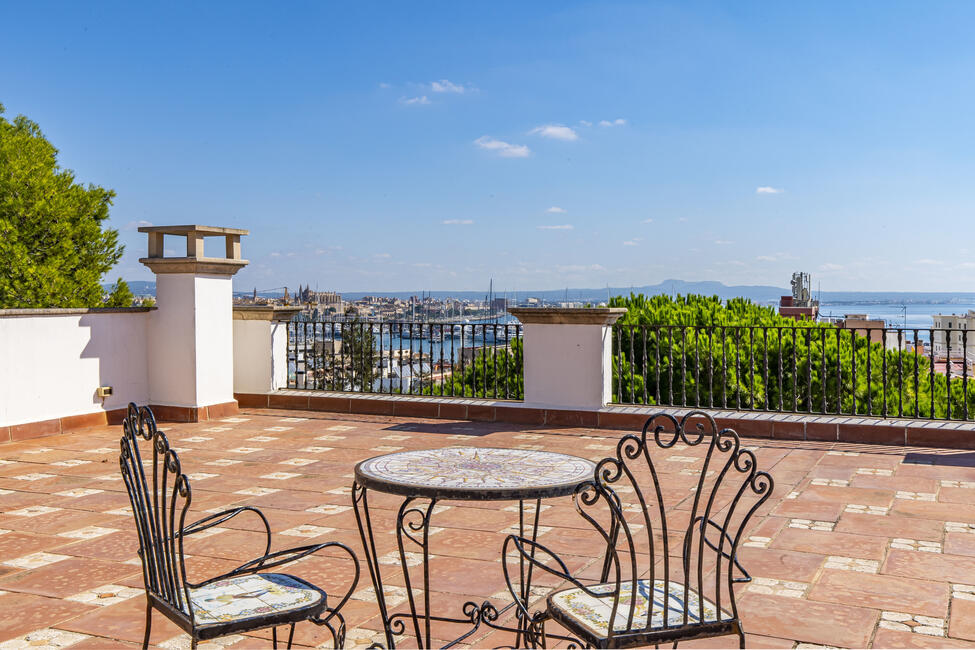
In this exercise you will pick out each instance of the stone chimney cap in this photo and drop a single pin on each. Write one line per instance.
(194, 262)
(200, 230)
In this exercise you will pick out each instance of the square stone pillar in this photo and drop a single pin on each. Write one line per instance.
(261, 347)
(568, 356)
(190, 356)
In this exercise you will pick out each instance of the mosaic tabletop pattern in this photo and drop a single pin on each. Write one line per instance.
(476, 472)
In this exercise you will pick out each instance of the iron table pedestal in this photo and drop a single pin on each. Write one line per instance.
(425, 478)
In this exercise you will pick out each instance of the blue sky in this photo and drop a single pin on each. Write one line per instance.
(407, 146)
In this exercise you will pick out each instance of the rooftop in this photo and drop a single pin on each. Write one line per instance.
(860, 545)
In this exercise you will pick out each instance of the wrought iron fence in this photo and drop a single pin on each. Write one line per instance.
(407, 357)
(817, 369)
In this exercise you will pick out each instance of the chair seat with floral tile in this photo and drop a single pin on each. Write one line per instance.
(247, 597)
(575, 606)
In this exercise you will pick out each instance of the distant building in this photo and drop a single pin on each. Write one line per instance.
(863, 326)
(951, 334)
(499, 305)
(800, 304)
(324, 298)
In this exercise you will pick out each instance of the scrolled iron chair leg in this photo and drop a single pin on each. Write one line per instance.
(338, 634)
(145, 640)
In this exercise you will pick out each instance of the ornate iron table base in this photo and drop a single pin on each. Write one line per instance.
(424, 478)
(413, 526)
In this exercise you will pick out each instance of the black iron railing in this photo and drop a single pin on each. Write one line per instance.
(407, 357)
(818, 369)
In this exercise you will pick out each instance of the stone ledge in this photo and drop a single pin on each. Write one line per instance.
(265, 312)
(562, 316)
(778, 426)
(212, 231)
(68, 311)
(197, 265)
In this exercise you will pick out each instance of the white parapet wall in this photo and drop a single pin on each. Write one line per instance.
(261, 347)
(52, 362)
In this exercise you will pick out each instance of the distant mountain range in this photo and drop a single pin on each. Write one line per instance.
(761, 294)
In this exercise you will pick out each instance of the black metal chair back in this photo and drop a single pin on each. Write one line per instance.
(627, 503)
(159, 504)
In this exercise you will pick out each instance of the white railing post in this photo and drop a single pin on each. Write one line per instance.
(568, 356)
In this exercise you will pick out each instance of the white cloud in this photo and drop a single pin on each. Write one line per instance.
(647, 221)
(458, 222)
(580, 268)
(275, 254)
(619, 121)
(422, 100)
(585, 122)
(631, 242)
(682, 219)
(383, 84)
(503, 149)
(766, 189)
(723, 242)
(133, 225)
(565, 226)
(384, 256)
(556, 132)
(556, 210)
(445, 86)
(829, 266)
(776, 257)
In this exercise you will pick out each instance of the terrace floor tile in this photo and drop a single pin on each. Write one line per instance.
(67, 577)
(890, 593)
(808, 621)
(849, 576)
(831, 543)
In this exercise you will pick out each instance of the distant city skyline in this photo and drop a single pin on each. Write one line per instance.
(400, 147)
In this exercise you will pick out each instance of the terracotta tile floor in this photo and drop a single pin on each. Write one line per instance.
(858, 546)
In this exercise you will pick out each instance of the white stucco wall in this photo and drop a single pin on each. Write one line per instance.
(51, 364)
(173, 345)
(191, 340)
(567, 365)
(260, 356)
(214, 339)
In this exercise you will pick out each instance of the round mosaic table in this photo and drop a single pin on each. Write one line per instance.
(475, 473)
(428, 476)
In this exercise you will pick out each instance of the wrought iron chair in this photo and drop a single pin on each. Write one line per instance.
(640, 597)
(244, 599)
